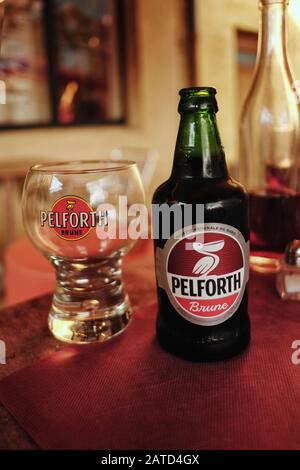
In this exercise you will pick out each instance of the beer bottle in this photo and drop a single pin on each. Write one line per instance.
(202, 263)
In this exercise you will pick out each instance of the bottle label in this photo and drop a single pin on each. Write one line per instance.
(204, 271)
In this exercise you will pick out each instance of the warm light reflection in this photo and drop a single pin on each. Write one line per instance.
(107, 19)
(2, 91)
(294, 11)
(66, 113)
(262, 264)
(62, 329)
(69, 93)
(94, 42)
(63, 355)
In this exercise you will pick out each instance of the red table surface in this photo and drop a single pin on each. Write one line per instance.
(29, 274)
(130, 394)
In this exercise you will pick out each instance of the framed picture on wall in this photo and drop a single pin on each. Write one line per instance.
(62, 62)
(23, 65)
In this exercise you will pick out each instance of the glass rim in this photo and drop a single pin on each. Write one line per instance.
(60, 167)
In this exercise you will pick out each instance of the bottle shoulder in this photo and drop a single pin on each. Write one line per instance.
(276, 99)
(195, 191)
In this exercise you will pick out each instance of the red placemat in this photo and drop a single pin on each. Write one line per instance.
(129, 394)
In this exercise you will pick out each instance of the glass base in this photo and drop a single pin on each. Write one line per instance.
(89, 327)
(89, 304)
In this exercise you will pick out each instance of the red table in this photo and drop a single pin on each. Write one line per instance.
(29, 274)
(263, 411)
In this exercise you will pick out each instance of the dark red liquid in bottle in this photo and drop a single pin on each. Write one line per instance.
(274, 213)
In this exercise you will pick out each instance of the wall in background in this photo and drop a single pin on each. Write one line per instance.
(158, 65)
(217, 24)
(156, 70)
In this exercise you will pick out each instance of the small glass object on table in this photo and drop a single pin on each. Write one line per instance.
(74, 213)
(288, 277)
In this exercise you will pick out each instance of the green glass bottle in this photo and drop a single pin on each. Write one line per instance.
(201, 267)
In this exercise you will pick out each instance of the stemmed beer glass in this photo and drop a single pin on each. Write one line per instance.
(73, 216)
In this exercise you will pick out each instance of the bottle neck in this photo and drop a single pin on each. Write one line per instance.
(272, 50)
(199, 152)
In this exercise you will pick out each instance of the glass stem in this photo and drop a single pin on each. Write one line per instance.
(93, 285)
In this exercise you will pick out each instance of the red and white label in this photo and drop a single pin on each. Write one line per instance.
(71, 217)
(204, 273)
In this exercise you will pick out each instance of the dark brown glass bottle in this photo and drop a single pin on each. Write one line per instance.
(202, 267)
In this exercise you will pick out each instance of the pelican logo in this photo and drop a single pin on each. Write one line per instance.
(210, 261)
(205, 272)
(70, 205)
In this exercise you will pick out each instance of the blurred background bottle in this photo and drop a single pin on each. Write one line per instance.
(269, 143)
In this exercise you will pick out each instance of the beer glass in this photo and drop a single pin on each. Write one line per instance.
(77, 214)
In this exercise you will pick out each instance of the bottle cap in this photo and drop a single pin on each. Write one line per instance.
(292, 253)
